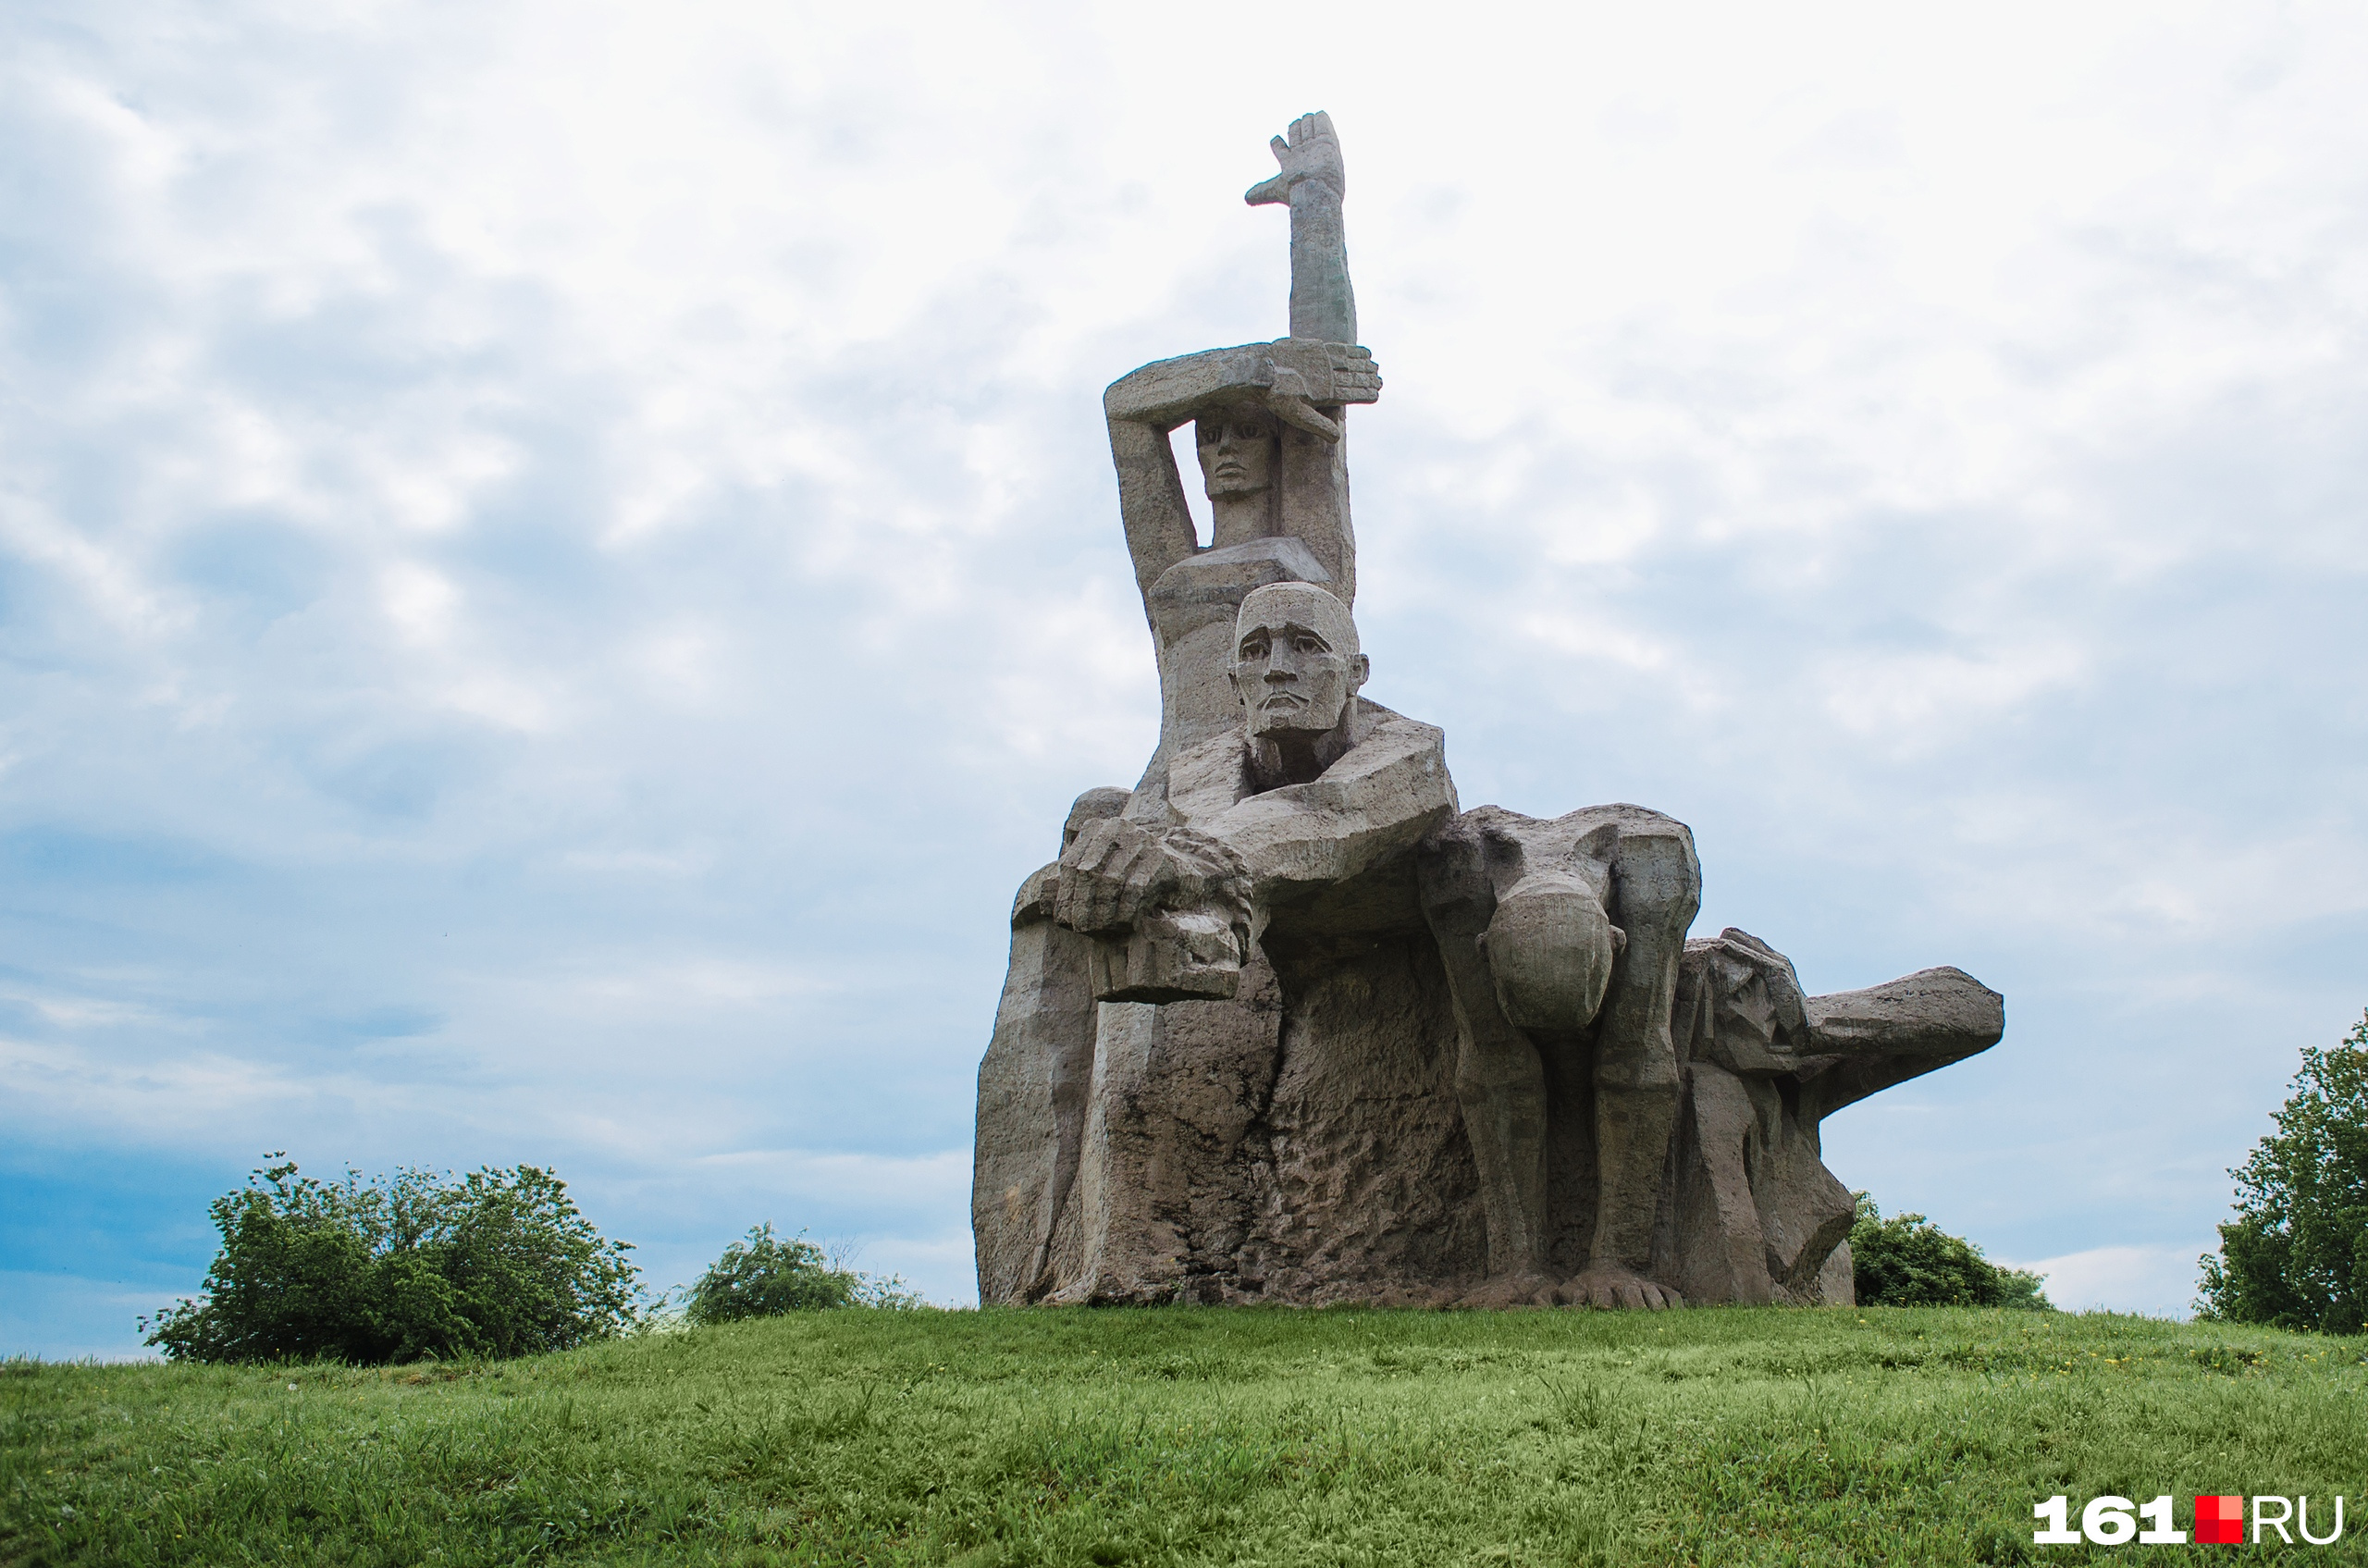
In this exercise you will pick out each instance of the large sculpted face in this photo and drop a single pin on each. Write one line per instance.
(1237, 449)
(1295, 660)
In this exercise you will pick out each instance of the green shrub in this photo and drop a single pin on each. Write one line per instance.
(1908, 1261)
(404, 1267)
(764, 1275)
(2296, 1256)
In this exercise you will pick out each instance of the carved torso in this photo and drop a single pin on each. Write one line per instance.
(1191, 608)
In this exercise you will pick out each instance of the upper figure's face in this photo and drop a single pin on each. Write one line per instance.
(1295, 660)
(1237, 451)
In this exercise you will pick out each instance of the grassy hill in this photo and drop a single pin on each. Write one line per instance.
(1191, 1435)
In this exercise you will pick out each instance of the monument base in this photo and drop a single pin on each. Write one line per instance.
(1302, 1141)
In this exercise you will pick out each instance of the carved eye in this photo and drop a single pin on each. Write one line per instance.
(1309, 644)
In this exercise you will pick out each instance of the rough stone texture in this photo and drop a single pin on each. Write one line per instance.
(1757, 1215)
(1567, 1075)
(1284, 1023)
(1297, 1142)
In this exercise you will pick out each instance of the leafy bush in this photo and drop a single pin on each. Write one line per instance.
(400, 1268)
(1908, 1261)
(764, 1275)
(2296, 1256)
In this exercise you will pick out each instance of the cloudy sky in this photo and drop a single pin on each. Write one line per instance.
(558, 562)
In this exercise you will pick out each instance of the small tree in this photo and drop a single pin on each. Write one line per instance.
(2296, 1254)
(400, 1268)
(1908, 1261)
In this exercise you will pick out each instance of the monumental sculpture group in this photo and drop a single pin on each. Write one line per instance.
(1285, 1023)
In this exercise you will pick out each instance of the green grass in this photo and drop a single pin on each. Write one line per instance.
(1195, 1434)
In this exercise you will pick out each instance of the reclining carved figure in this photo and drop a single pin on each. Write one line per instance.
(1758, 1215)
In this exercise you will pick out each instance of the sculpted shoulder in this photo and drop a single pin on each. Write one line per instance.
(1393, 735)
(1212, 778)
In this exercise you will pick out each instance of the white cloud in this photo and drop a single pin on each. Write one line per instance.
(592, 525)
(2158, 1281)
(79, 1089)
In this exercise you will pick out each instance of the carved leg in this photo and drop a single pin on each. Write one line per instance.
(1655, 888)
(1071, 1055)
(1498, 1077)
(1032, 1089)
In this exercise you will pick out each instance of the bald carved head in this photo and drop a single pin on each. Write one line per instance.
(1296, 666)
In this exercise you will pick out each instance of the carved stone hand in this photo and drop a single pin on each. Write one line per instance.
(1288, 375)
(1311, 152)
(1333, 372)
(1117, 872)
(1292, 401)
(1110, 875)
(1614, 1288)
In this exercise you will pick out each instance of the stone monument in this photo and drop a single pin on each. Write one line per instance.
(1285, 1023)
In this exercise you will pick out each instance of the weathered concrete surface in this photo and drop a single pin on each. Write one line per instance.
(1757, 1215)
(1303, 1141)
(1355, 1122)
(1284, 1023)
(1562, 941)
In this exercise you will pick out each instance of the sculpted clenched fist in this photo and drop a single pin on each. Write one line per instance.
(1117, 872)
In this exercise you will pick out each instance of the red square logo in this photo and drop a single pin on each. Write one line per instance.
(2220, 1521)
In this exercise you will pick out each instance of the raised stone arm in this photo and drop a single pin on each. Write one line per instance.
(1314, 181)
(1150, 499)
(1295, 379)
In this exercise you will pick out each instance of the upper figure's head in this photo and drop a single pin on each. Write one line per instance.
(1295, 661)
(1240, 446)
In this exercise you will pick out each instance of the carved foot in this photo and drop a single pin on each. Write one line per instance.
(1510, 1291)
(1617, 1289)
